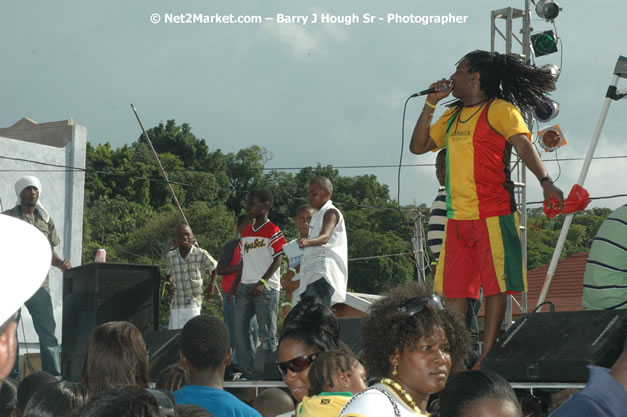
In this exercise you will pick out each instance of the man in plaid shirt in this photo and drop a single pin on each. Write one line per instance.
(184, 268)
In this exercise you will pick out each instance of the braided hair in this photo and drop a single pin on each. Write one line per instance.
(313, 323)
(327, 364)
(507, 77)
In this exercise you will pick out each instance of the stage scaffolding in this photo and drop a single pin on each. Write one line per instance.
(509, 16)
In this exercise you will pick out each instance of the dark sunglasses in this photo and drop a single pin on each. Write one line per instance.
(416, 305)
(297, 364)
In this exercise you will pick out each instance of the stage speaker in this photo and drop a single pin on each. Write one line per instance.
(557, 347)
(350, 329)
(164, 349)
(101, 292)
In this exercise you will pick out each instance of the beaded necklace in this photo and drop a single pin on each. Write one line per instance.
(405, 394)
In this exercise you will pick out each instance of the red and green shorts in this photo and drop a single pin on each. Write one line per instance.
(481, 253)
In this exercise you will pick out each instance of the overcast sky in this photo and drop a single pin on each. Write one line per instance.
(311, 93)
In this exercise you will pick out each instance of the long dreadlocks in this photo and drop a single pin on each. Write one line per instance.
(508, 78)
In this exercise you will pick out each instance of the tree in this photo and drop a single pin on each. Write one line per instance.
(376, 275)
(245, 170)
(179, 141)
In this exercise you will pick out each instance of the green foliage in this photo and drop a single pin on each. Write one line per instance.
(377, 275)
(543, 233)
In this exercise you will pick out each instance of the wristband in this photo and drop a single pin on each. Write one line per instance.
(293, 270)
(286, 304)
(433, 106)
(546, 179)
(263, 281)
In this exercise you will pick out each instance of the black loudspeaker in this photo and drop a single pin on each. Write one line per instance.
(557, 347)
(164, 349)
(350, 329)
(101, 292)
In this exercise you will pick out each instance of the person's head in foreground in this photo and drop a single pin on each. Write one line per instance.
(272, 402)
(172, 378)
(58, 399)
(411, 343)
(337, 370)
(8, 398)
(121, 402)
(190, 410)
(116, 356)
(478, 394)
(29, 385)
(25, 256)
(205, 349)
(310, 328)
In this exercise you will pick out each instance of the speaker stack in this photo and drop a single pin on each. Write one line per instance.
(557, 347)
(97, 293)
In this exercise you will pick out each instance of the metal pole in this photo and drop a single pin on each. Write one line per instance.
(582, 177)
(418, 246)
(167, 181)
(165, 176)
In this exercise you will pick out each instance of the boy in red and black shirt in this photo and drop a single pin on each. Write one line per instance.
(261, 247)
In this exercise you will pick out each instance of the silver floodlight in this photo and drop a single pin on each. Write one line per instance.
(547, 9)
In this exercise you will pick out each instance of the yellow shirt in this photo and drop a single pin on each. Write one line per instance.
(326, 404)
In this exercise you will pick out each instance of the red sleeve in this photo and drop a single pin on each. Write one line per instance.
(276, 242)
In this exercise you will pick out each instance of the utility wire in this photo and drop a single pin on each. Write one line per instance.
(68, 168)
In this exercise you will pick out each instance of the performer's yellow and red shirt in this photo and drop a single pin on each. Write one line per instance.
(478, 183)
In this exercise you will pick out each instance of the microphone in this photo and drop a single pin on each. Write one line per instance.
(432, 90)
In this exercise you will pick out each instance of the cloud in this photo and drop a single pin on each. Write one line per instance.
(297, 38)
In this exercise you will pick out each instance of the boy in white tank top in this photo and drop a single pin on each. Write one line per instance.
(325, 265)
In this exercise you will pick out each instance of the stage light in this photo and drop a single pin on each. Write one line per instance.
(553, 69)
(547, 111)
(544, 43)
(552, 138)
(547, 9)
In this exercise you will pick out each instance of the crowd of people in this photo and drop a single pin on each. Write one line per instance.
(415, 346)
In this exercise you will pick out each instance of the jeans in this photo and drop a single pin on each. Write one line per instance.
(265, 307)
(229, 320)
(40, 308)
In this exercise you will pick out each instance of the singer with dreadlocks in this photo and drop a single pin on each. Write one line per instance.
(481, 245)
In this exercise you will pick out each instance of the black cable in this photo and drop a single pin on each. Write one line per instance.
(400, 162)
(559, 167)
(68, 168)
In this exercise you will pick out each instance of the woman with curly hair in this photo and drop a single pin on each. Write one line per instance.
(411, 343)
(309, 329)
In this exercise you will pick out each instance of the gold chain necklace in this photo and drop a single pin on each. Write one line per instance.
(459, 118)
(405, 394)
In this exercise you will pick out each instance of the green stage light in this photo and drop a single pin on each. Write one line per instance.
(544, 43)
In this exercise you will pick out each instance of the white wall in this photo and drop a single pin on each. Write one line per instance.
(61, 194)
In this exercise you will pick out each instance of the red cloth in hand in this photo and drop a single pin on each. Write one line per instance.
(577, 200)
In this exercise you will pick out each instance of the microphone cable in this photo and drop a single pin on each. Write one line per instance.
(400, 162)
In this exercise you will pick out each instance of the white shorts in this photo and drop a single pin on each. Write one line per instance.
(181, 315)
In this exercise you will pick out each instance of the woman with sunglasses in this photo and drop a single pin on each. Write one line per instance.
(410, 343)
(309, 329)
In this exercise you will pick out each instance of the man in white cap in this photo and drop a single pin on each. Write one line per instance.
(30, 210)
(21, 274)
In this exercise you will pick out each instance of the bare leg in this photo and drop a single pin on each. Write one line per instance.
(494, 312)
(458, 305)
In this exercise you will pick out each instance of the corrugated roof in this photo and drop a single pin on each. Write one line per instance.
(566, 289)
